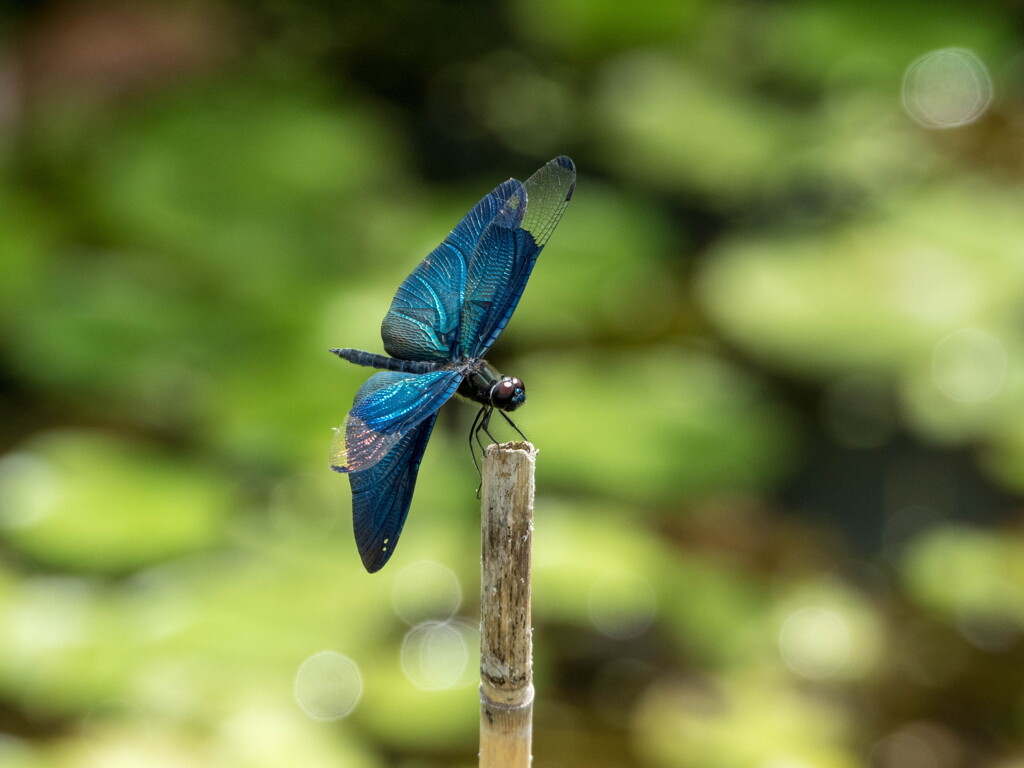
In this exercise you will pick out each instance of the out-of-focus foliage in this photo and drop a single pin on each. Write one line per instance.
(773, 352)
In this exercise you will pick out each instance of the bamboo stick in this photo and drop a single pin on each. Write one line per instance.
(506, 643)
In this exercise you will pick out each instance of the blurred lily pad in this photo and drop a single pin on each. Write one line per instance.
(968, 575)
(586, 28)
(242, 179)
(93, 502)
(868, 42)
(683, 425)
(680, 128)
(878, 293)
(917, 293)
(743, 722)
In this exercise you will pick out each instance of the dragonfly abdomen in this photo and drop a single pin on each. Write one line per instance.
(371, 360)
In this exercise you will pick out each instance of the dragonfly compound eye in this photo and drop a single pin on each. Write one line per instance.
(508, 394)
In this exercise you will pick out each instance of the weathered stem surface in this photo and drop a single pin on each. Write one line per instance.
(506, 646)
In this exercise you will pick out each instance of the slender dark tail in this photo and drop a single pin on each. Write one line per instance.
(370, 360)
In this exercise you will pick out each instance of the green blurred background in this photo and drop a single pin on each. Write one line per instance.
(773, 352)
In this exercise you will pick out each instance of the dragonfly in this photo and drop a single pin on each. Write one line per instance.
(443, 320)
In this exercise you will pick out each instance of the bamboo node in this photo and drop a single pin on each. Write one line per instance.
(490, 704)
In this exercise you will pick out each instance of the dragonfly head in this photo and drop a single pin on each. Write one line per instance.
(508, 393)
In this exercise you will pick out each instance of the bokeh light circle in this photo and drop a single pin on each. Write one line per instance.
(434, 655)
(918, 744)
(815, 642)
(426, 591)
(328, 686)
(622, 604)
(946, 88)
(969, 365)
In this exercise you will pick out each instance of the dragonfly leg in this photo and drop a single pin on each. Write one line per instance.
(513, 425)
(473, 429)
(474, 435)
(486, 423)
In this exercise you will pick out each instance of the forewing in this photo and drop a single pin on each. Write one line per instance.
(504, 257)
(386, 408)
(425, 315)
(381, 496)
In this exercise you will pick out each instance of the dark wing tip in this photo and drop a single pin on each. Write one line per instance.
(375, 558)
(564, 161)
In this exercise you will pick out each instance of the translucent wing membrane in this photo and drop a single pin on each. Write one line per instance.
(424, 318)
(381, 496)
(548, 192)
(506, 252)
(386, 407)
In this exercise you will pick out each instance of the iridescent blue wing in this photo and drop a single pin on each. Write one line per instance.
(424, 318)
(506, 252)
(387, 407)
(381, 496)
(380, 446)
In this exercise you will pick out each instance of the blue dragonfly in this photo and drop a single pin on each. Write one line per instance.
(443, 320)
